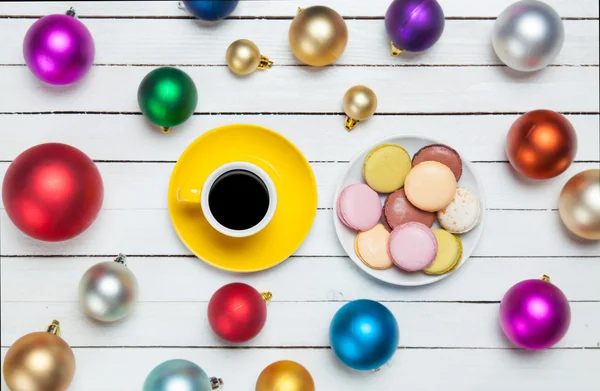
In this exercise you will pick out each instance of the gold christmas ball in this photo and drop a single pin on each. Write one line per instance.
(360, 103)
(285, 376)
(39, 362)
(243, 57)
(318, 36)
(579, 204)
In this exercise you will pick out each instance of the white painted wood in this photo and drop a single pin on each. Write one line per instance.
(448, 329)
(283, 8)
(128, 137)
(449, 325)
(186, 279)
(149, 232)
(293, 89)
(142, 185)
(411, 369)
(151, 41)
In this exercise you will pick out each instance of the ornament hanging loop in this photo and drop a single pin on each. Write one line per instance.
(71, 12)
(351, 123)
(265, 63)
(267, 296)
(394, 50)
(216, 383)
(545, 277)
(54, 327)
(122, 259)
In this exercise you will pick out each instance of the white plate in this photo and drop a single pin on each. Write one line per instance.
(394, 275)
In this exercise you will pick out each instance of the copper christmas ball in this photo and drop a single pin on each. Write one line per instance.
(579, 204)
(541, 144)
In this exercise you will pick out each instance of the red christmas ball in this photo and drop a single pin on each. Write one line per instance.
(237, 312)
(52, 192)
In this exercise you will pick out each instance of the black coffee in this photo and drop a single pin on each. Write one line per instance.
(238, 199)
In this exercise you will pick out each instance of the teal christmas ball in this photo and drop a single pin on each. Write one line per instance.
(364, 335)
(179, 375)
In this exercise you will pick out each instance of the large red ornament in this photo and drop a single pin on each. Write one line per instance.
(541, 144)
(52, 192)
(237, 312)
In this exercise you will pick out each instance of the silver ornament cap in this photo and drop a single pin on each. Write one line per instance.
(108, 291)
(528, 35)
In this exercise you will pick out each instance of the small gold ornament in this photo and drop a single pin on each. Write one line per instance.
(285, 375)
(243, 58)
(579, 204)
(318, 35)
(360, 103)
(39, 361)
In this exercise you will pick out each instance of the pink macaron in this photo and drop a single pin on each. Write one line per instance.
(412, 246)
(359, 207)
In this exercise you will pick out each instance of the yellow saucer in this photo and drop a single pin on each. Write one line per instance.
(296, 197)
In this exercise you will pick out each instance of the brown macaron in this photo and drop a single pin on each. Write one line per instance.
(398, 210)
(442, 154)
(384, 220)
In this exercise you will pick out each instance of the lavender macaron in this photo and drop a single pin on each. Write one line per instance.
(412, 246)
(359, 207)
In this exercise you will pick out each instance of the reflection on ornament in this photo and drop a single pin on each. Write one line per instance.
(180, 375)
(541, 144)
(243, 58)
(579, 204)
(535, 314)
(414, 25)
(318, 36)
(364, 335)
(360, 103)
(528, 35)
(52, 192)
(210, 10)
(285, 375)
(237, 312)
(39, 361)
(59, 49)
(108, 291)
(167, 97)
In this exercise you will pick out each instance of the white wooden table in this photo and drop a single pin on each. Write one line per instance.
(457, 91)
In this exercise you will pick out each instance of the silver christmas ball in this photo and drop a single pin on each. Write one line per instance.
(108, 291)
(528, 35)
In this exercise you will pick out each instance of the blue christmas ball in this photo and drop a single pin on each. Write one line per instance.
(211, 10)
(364, 335)
(177, 375)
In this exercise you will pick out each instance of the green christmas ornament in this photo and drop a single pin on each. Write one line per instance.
(167, 97)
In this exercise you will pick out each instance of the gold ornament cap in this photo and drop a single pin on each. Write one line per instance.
(267, 296)
(394, 50)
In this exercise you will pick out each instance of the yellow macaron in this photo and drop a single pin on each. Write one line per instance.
(386, 167)
(449, 253)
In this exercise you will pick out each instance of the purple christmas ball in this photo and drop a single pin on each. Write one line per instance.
(58, 49)
(534, 314)
(414, 25)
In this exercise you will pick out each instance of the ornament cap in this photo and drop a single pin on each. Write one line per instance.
(54, 327)
(122, 259)
(267, 296)
(71, 12)
(165, 129)
(216, 383)
(265, 63)
(394, 50)
(351, 123)
(545, 277)
(180, 5)
(300, 9)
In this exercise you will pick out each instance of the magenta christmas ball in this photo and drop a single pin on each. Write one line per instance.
(535, 314)
(58, 49)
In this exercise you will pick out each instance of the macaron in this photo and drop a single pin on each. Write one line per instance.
(449, 253)
(412, 246)
(462, 214)
(385, 168)
(371, 248)
(397, 210)
(442, 154)
(430, 186)
(359, 207)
